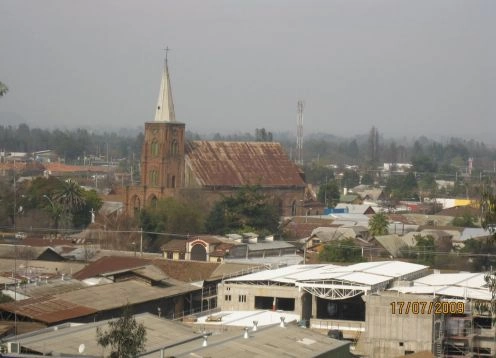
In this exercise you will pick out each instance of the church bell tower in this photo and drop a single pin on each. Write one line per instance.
(162, 156)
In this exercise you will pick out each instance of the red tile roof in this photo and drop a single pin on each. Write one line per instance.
(241, 163)
(186, 271)
(64, 168)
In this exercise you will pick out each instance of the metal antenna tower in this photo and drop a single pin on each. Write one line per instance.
(299, 132)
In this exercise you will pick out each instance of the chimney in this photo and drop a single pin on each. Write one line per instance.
(255, 324)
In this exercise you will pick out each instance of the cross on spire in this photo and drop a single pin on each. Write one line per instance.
(166, 49)
(165, 105)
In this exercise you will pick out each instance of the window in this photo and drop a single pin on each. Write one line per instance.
(242, 298)
(153, 177)
(170, 255)
(182, 256)
(173, 181)
(227, 298)
(174, 147)
(154, 148)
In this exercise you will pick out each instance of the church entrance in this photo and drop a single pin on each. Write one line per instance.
(198, 253)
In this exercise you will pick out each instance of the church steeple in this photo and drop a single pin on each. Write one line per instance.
(165, 105)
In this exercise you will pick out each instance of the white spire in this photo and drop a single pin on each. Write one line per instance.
(165, 105)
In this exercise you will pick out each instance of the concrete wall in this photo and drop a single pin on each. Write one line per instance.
(238, 292)
(389, 334)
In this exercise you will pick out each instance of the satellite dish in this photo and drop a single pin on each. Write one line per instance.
(81, 348)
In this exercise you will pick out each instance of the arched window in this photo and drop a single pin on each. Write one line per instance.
(153, 201)
(154, 148)
(173, 181)
(174, 147)
(136, 204)
(293, 208)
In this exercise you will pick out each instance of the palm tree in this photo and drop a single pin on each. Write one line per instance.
(69, 196)
(378, 224)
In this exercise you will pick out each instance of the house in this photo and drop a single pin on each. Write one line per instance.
(199, 248)
(355, 208)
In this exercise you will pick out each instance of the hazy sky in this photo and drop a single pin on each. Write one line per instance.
(408, 67)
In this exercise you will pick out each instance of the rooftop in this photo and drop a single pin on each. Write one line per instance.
(365, 276)
(463, 285)
(241, 163)
(180, 341)
(83, 302)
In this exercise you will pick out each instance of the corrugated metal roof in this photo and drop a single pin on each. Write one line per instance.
(460, 285)
(241, 163)
(270, 245)
(110, 264)
(365, 273)
(48, 309)
(114, 295)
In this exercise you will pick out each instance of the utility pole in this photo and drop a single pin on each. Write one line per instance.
(15, 248)
(299, 132)
(141, 242)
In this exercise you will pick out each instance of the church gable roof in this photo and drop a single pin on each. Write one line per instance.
(241, 163)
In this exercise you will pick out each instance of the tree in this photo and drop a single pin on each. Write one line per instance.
(378, 224)
(350, 179)
(373, 147)
(425, 247)
(341, 251)
(125, 337)
(70, 197)
(367, 179)
(3, 89)
(170, 215)
(466, 220)
(262, 135)
(91, 203)
(329, 194)
(249, 209)
(488, 221)
(488, 211)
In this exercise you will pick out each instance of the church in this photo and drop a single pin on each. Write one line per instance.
(171, 166)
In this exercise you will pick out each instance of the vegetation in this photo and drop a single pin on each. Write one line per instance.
(3, 89)
(341, 251)
(484, 251)
(248, 210)
(466, 220)
(65, 202)
(172, 216)
(125, 336)
(74, 146)
(488, 211)
(425, 249)
(329, 194)
(488, 218)
(378, 225)
(5, 298)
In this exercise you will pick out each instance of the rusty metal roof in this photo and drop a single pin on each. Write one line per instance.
(241, 163)
(108, 264)
(47, 309)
